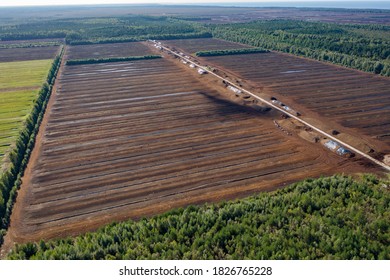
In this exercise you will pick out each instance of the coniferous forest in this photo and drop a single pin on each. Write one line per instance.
(359, 46)
(326, 218)
(363, 47)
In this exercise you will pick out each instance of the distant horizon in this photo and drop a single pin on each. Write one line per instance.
(346, 4)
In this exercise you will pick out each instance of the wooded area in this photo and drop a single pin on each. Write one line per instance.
(363, 47)
(327, 218)
(105, 30)
(358, 46)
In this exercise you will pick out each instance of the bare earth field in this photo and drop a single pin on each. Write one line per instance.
(354, 101)
(128, 140)
(22, 54)
(108, 50)
(351, 98)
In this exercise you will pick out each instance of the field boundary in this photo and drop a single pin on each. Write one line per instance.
(11, 179)
(109, 59)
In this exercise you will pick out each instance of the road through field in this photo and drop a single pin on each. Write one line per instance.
(386, 167)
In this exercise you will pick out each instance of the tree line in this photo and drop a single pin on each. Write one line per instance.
(105, 30)
(11, 178)
(231, 52)
(357, 46)
(72, 40)
(336, 217)
(29, 45)
(110, 59)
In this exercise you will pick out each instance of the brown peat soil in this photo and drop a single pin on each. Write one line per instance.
(133, 139)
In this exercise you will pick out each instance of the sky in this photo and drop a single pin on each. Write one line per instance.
(79, 2)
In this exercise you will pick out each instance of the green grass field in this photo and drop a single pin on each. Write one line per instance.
(19, 85)
(31, 73)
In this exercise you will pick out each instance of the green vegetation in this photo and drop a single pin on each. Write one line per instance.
(326, 218)
(30, 73)
(14, 107)
(141, 38)
(104, 30)
(29, 45)
(110, 59)
(10, 179)
(363, 47)
(230, 52)
(19, 86)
